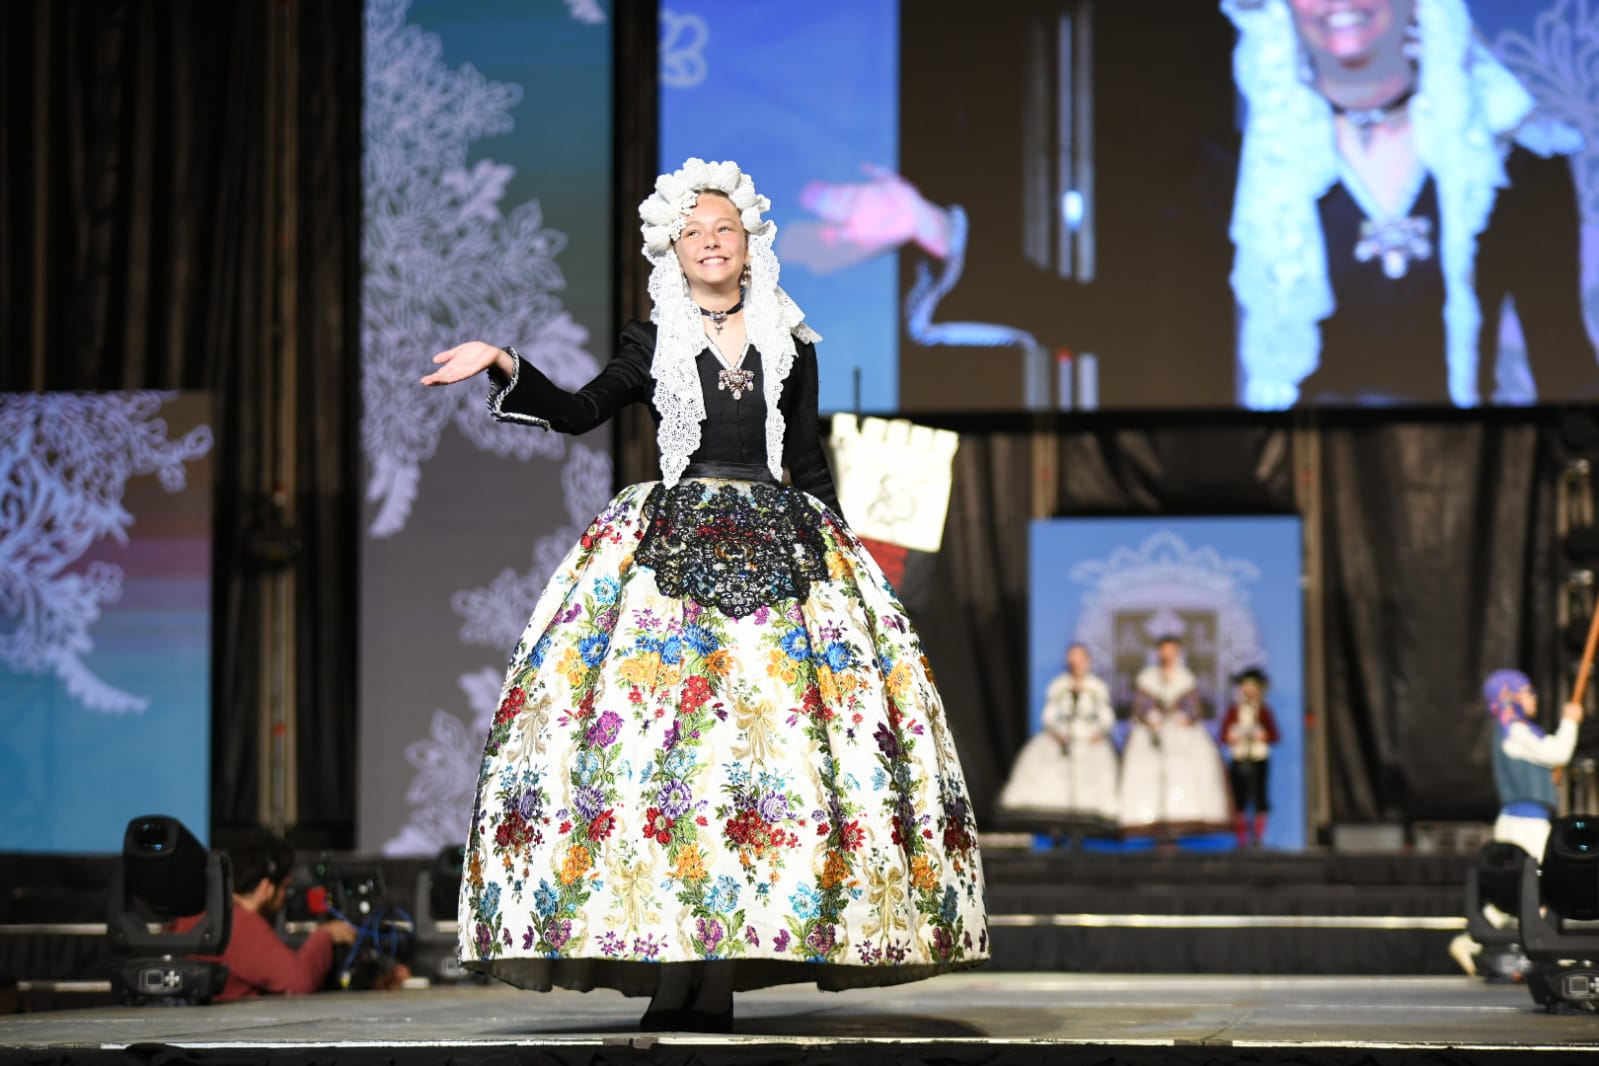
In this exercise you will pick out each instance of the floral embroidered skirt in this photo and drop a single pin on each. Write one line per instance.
(719, 740)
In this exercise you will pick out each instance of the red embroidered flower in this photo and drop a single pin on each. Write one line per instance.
(696, 690)
(657, 826)
(603, 823)
(511, 706)
(852, 836)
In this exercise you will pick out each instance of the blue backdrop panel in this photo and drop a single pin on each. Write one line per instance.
(105, 616)
(1230, 586)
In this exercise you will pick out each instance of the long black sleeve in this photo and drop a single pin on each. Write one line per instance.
(802, 440)
(1532, 252)
(530, 398)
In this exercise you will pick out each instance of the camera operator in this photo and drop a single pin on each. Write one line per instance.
(258, 961)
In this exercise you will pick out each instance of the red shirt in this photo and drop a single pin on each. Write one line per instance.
(261, 964)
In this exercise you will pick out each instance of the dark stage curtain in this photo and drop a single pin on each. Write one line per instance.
(1440, 567)
(180, 209)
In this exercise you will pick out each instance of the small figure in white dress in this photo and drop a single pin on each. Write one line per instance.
(1065, 776)
(1173, 781)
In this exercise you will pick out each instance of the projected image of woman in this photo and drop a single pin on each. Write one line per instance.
(1394, 192)
(719, 761)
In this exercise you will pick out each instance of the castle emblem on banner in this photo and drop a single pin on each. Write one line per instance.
(1164, 587)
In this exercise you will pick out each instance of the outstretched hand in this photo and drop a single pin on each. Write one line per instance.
(468, 360)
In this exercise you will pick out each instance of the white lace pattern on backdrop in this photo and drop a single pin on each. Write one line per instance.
(65, 459)
(439, 250)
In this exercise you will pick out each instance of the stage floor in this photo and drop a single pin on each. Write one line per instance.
(1000, 1017)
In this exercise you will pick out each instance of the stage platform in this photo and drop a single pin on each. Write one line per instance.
(990, 1019)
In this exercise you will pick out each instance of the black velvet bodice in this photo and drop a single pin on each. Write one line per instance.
(734, 431)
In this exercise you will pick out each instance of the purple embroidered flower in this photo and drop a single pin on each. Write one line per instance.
(887, 743)
(529, 804)
(822, 939)
(611, 945)
(943, 942)
(606, 619)
(602, 734)
(588, 801)
(772, 807)
(646, 620)
(528, 938)
(896, 951)
(558, 932)
(485, 939)
(794, 614)
(570, 614)
(647, 946)
(709, 933)
(751, 937)
(762, 615)
(780, 941)
(675, 799)
(672, 737)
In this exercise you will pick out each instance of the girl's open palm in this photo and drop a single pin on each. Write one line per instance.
(468, 360)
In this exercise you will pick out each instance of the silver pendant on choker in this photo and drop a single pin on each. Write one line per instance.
(736, 380)
(1396, 243)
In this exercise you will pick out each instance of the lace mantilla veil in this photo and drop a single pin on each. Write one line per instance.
(772, 322)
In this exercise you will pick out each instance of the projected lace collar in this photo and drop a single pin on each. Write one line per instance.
(772, 322)
(1466, 112)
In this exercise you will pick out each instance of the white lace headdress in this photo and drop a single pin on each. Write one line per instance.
(1466, 111)
(771, 320)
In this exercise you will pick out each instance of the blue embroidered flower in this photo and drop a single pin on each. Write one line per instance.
(701, 641)
(723, 898)
(544, 900)
(489, 905)
(796, 645)
(806, 902)
(593, 648)
(605, 590)
(535, 658)
(948, 909)
(672, 650)
(588, 764)
(838, 656)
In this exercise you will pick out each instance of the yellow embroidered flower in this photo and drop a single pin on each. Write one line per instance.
(899, 679)
(838, 567)
(827, 684)
(720, 662)
(922, 874)
(834, 870)
(641, 670)
(690, 864)
(576, 864)
(782, 667)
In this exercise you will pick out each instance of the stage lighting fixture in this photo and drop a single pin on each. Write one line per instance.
(1564, 975)
(1495, 880)
(165, 873)
(438, 889)
(444, 887)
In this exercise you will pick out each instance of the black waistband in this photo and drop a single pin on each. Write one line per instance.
(714, 468)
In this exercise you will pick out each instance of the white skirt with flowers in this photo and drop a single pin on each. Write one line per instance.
(719, 740)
